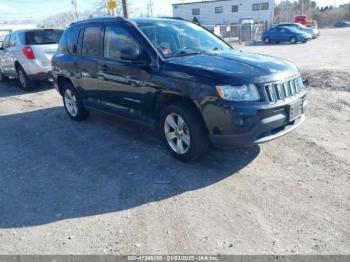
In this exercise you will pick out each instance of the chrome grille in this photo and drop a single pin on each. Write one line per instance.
(280, 91)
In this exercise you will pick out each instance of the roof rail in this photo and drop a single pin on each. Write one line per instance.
(171, 17)
(118, 18)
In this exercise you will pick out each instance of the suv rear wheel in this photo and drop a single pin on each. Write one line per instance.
(183, 131)
(25, 82)
(73, 103)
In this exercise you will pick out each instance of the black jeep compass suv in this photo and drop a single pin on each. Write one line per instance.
(177, 76)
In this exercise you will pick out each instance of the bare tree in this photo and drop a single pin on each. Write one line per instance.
(64, 19)
(325, 16)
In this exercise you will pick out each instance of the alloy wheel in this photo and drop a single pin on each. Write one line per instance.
(177, 133)
(71, 103)
(22, 77)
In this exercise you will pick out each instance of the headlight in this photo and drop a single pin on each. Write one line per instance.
(238, 93)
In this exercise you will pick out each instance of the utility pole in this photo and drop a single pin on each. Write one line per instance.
(302, 7)
(125, 9)
(151, 8)
(75, 6)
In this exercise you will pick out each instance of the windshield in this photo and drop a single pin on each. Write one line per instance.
(180, 38)
(302, 27)
(43, 37)
(293, 29)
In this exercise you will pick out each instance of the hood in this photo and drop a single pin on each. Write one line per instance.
(236, 67)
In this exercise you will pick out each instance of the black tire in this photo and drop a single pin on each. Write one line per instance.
(81, 112)
(267, 40)
(196, 130)
(24, 80)
(293, 40)
(3, 78)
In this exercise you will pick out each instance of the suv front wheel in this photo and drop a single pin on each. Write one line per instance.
(73, 104)
(183, 131)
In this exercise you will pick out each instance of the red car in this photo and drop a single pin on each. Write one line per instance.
(302, 19)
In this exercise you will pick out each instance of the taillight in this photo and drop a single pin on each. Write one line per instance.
(28, 52)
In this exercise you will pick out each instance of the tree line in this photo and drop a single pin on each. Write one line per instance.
(326, 16)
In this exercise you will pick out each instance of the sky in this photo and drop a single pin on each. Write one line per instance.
(40, 9)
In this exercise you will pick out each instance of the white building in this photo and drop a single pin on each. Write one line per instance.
(223, 12)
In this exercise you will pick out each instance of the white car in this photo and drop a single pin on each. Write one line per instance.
(314, 32)
(26, 54)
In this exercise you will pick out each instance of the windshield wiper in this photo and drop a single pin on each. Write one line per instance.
(185, 53)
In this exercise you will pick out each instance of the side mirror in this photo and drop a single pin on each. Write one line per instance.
(131, 54)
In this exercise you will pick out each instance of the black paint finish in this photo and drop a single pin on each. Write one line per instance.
(137, 90)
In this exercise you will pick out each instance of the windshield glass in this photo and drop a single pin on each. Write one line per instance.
(180, 38)
(293, 29)
(303, 27)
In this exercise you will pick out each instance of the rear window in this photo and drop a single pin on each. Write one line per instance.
(43, 37)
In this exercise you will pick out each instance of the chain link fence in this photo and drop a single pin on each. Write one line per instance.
(239, 33)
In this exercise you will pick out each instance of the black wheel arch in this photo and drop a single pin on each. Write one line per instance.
(17, 64)
(62, 81)
(163, 100)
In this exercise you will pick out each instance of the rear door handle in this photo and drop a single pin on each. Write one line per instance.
(103, 67)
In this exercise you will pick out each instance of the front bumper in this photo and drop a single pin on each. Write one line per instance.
(304, 38)
(259, 125)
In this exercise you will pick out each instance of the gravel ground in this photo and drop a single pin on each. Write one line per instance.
(106, 186)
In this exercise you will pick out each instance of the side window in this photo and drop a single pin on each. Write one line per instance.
(196, 11)
(91, 41)
(234, 8)
(265, 6)
(219, 10)
(12, 40)
(255, 7)
(117, 38)
(62, 47)
(5, 44)
(72, 36)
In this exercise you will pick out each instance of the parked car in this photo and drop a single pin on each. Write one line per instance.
(27, 54)
(314, 32)
(302, 19)
(341, 24)
(285, 34)
(180, 79)
(3, 34)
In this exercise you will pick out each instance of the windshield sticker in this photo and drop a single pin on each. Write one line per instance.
(167, 51)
